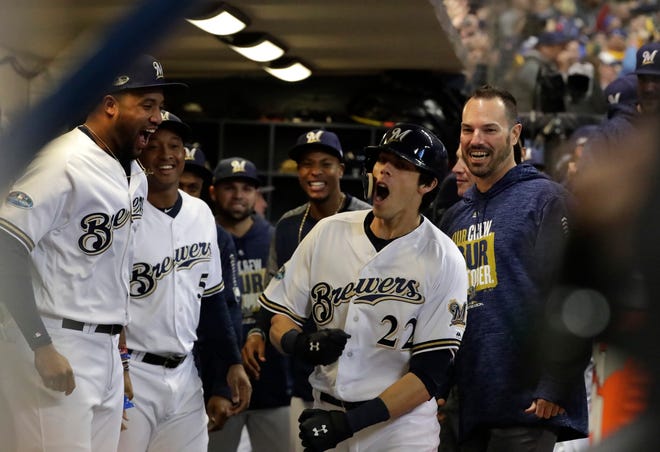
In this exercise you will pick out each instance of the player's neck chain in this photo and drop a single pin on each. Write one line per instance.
(309, 204)
(104, 146)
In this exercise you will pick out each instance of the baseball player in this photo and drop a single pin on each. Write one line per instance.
(69, 223)
(319, 158)
(176, 278)
(387, 291)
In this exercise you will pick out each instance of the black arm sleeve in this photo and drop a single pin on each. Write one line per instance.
(434, 369)
(17, 294)
(262, 321)
(217, 330)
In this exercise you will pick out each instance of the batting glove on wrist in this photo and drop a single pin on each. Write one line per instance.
(322, 430)
(320, 347)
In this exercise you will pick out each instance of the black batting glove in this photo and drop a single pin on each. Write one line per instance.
(320, 347)
(322, 430)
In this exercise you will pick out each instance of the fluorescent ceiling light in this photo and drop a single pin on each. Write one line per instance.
(289, 70)
(258, 47)
(221, 20)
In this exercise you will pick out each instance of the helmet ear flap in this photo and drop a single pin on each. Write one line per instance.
(368, 185)
(371, 155)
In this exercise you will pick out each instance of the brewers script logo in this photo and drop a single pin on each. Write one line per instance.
(99, 227)
(366, 291)
(146, 276)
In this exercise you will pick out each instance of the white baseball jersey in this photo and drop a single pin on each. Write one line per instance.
(75, 211)
(406, 299)
(177, 262)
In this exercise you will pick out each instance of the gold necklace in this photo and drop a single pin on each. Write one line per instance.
(304, 218)
(105, 146)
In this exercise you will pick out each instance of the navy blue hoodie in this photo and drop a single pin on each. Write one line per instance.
(512, 237)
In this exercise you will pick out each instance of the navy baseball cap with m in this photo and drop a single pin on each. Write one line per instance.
(196, 162)
(317, 140)
(145, 72)
(236, 168)
(648, 59)
(173, 122)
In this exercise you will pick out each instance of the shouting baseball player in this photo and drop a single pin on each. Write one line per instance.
(387, 291)
(176, 278)
(69, 223)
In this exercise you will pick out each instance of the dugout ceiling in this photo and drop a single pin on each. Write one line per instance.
(336, 37)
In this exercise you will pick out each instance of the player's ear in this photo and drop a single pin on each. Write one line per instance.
(110, 105)
(342, 167)
(427, 186)
(212, 192)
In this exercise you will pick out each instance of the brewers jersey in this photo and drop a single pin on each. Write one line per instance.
(75, 210)
(178, 263)
(391, 306)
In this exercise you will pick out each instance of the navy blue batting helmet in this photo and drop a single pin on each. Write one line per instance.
(415, 144)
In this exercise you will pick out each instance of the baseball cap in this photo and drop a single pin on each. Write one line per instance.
(173, 122)
(622, 91)
(236, 168)
(582, 134)
(319, 140)
(196, 162)
(648, 59)
(552, 38)
(145, 72)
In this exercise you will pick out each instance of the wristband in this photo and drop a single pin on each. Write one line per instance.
(258, 331)
(288, 341)
(125, 357)
(369, 413)
(39, 340)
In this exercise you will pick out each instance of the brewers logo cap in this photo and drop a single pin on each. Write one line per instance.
(173, 122)
(317, 140)
(196, 162)
(236, 168)
(648, 59)
(622, 91)
(145, 72)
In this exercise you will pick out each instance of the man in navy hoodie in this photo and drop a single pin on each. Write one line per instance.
(511, 227)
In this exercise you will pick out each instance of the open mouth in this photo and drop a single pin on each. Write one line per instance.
(478, 154)
(381, 192)
(143, 137)
(316, 185)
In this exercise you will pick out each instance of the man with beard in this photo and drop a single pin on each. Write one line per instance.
(66, 230)
(234, 193)
(511, 227)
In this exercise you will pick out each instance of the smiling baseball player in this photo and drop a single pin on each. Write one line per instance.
(66, 231)
(177, 279)
(387, 291)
